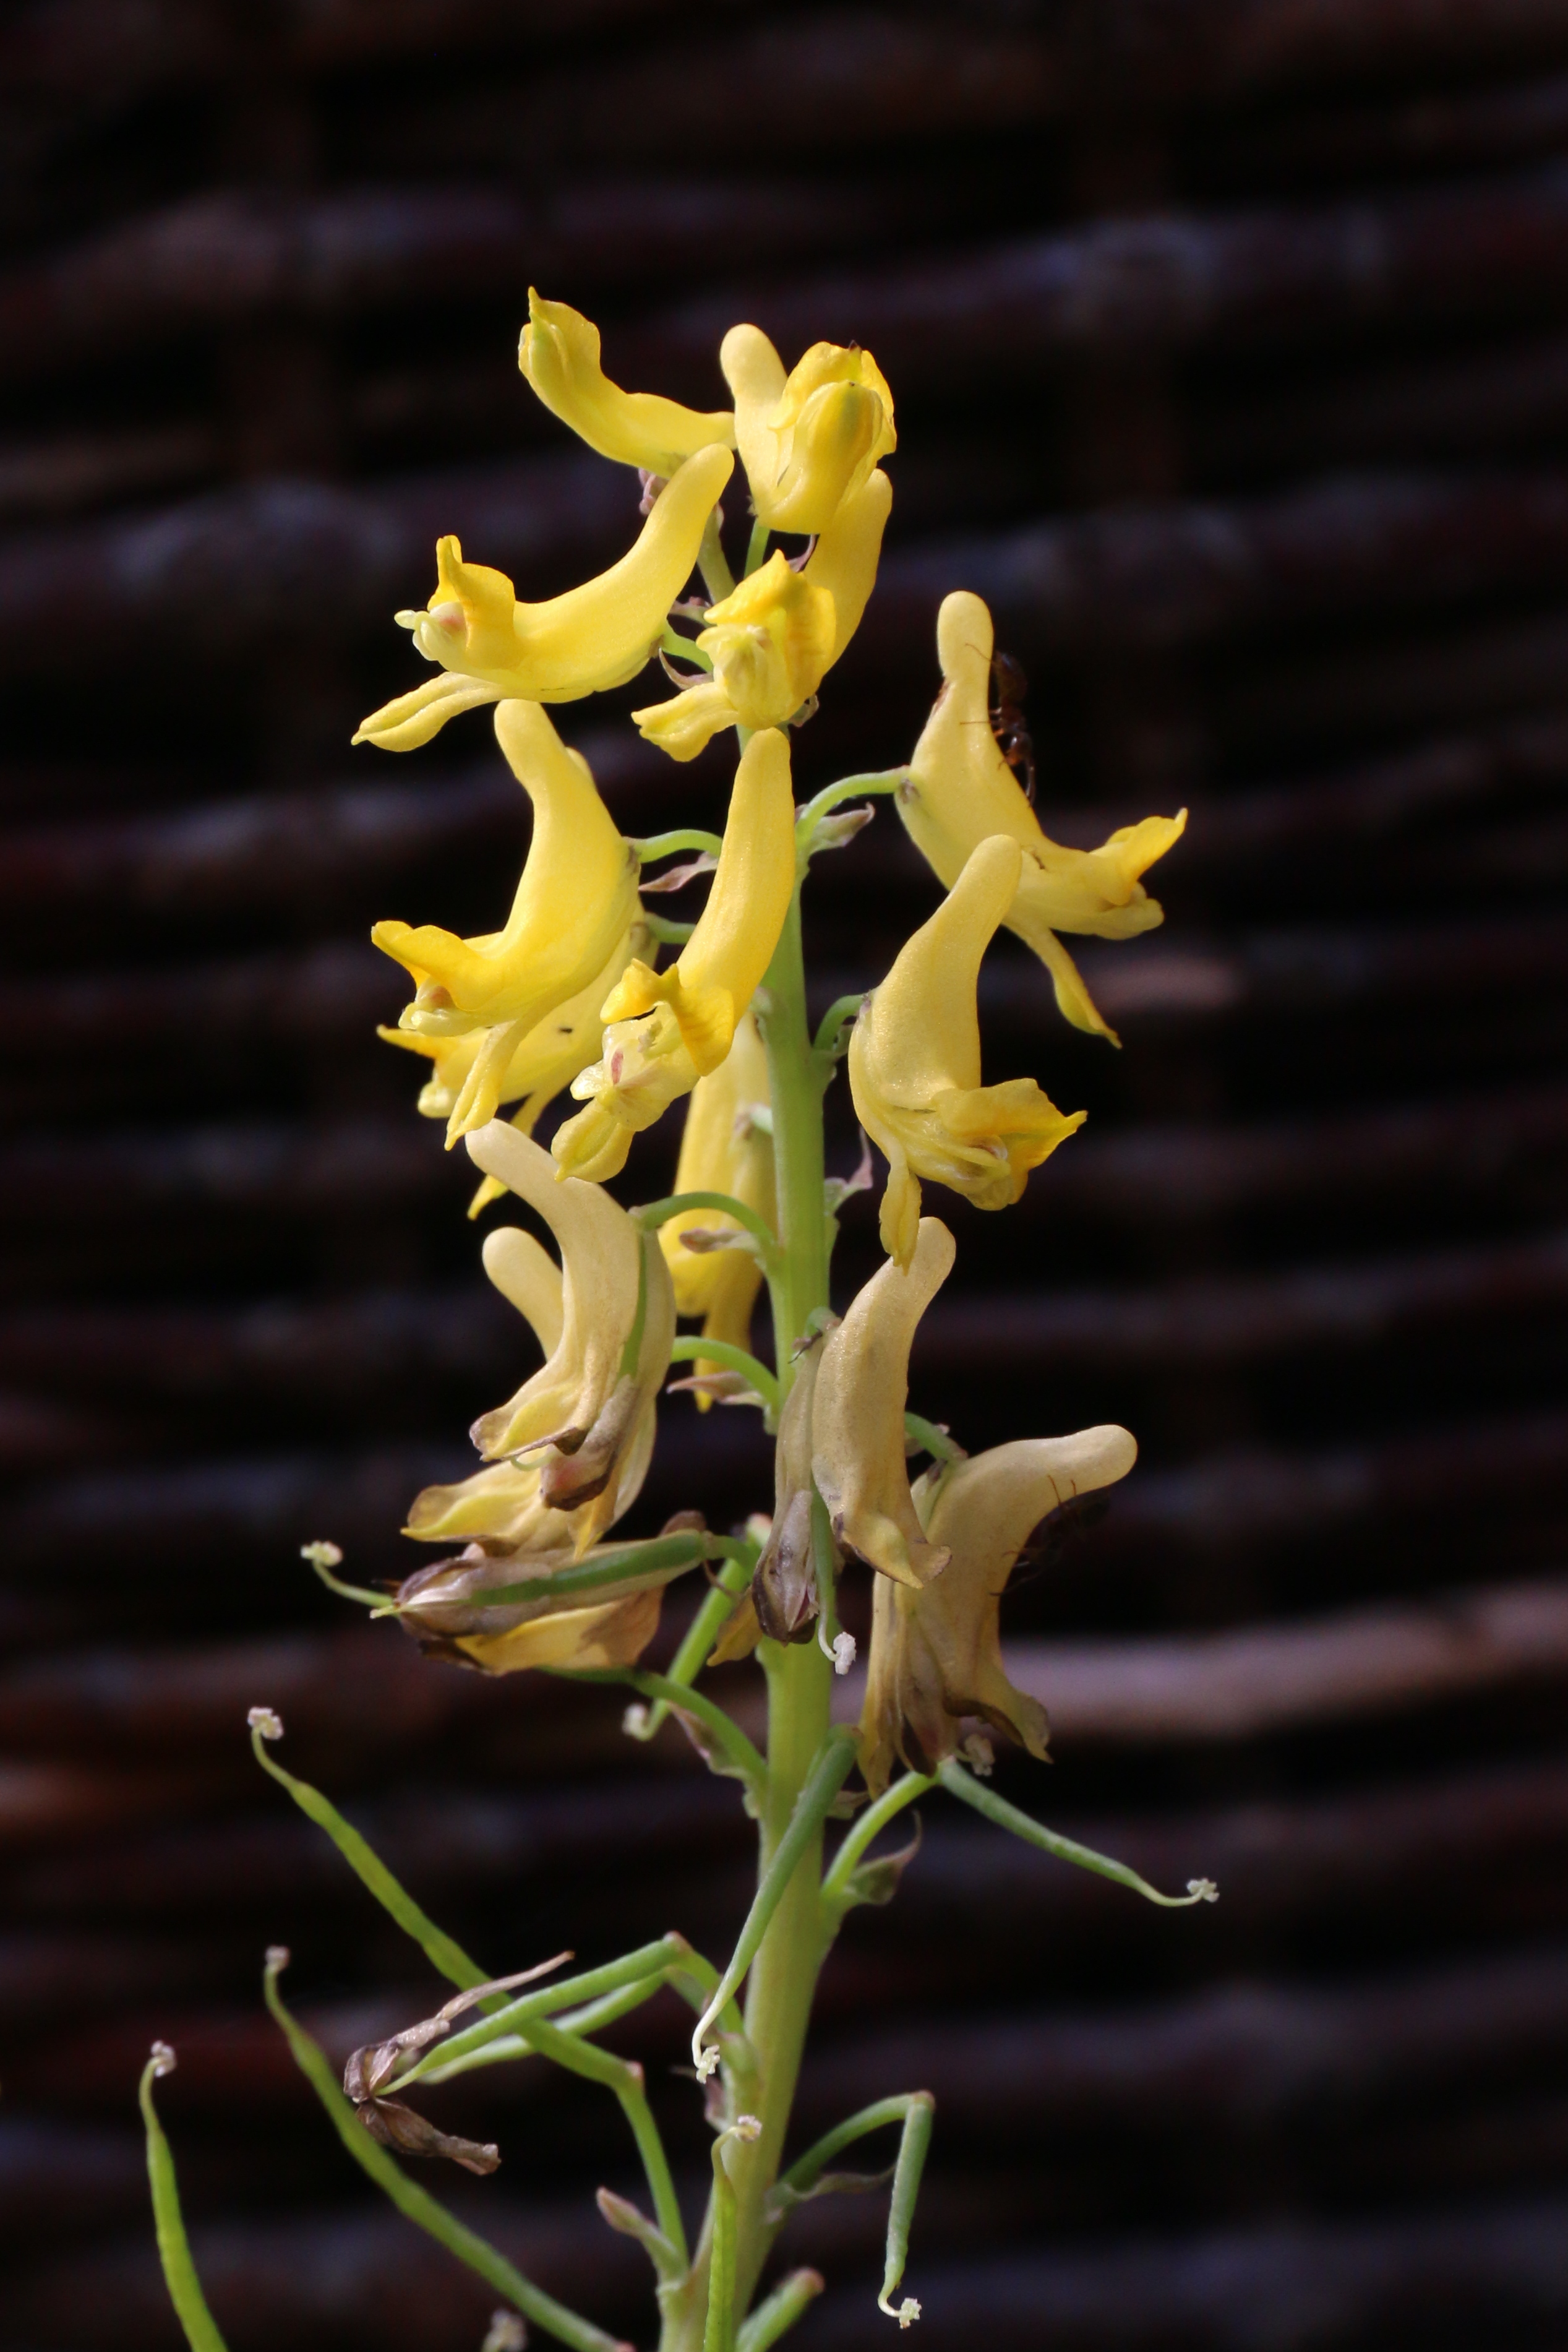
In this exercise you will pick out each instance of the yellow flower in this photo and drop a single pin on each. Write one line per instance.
(723, 1149)
(559, 354)
(491, 648)
(935, 1650)
(587, 1413)
(857, 1416)
(576, 902)
(915, 1064)
(961, 790)
(773, 641)
(545, 1061)
(665, 1030)
(809, 439)
(444, 1608)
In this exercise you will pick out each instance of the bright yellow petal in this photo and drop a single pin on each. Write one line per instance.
(594, 637)
(961, 790)
(576, 901)
(806, 440)
(845, 558)
(915, 1064)
(718, 970)
(559, 355)
(410, 720)
(687, 723)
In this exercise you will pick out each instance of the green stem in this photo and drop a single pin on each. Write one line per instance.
(829, 1770)
(713, 564)
(437, 1946)
(783, 1972)
(961, 1784)
(566, 2327)
(757, 548)
(676, 1204)
(684, 648)
(625, 2077)
(517, 2016)
(655, 846)
(831, 1028)
(739, 1563)
(622, 1567)
(723, 1727)
(173, 2250)
(778, 2312)
(692, 1348)
(884, 780)
(870, 1824)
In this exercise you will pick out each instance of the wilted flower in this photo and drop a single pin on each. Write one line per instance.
(574, 912)
(784, 1587)
(725, 1148)
(587, 1415)
(935, 1650)
(491, 648)
(559, 354)
(774, 639)
(857, 1418)
(665, 1030)
(915, 1063)
(961, 790)
(809, 439)
(445, 1608)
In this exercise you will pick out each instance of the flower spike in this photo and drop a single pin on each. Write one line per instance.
(491, 648)
(809, 439)
(935, 1650)
(775, 638)
(960, 790)
(576, 901)
(665, 1030)
(559, 354)
(915, 1064)
(857, 1416)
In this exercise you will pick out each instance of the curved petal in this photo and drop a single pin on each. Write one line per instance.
(961, 790)
(857, 1423)
(559, 355)
(410, 720)
(585, 1409)
(718, 970)
(806, 439)
(915, 1063)
(576, 899)
(594, 637)
(936, 1654)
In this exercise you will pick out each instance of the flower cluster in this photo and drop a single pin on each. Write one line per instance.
(568, 995)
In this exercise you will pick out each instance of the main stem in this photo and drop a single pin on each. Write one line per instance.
(783, 1978)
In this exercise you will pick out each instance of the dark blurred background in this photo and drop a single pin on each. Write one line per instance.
(1230, 342)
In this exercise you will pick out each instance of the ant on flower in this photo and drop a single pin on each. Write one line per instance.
(1016, 744)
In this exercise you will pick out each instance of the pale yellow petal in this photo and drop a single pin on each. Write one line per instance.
(857, 1428)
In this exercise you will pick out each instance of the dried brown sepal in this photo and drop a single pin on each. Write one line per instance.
(408, 2132)
(877, 1882)
(374, 2064)
(784, 1587)
(675, 877)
